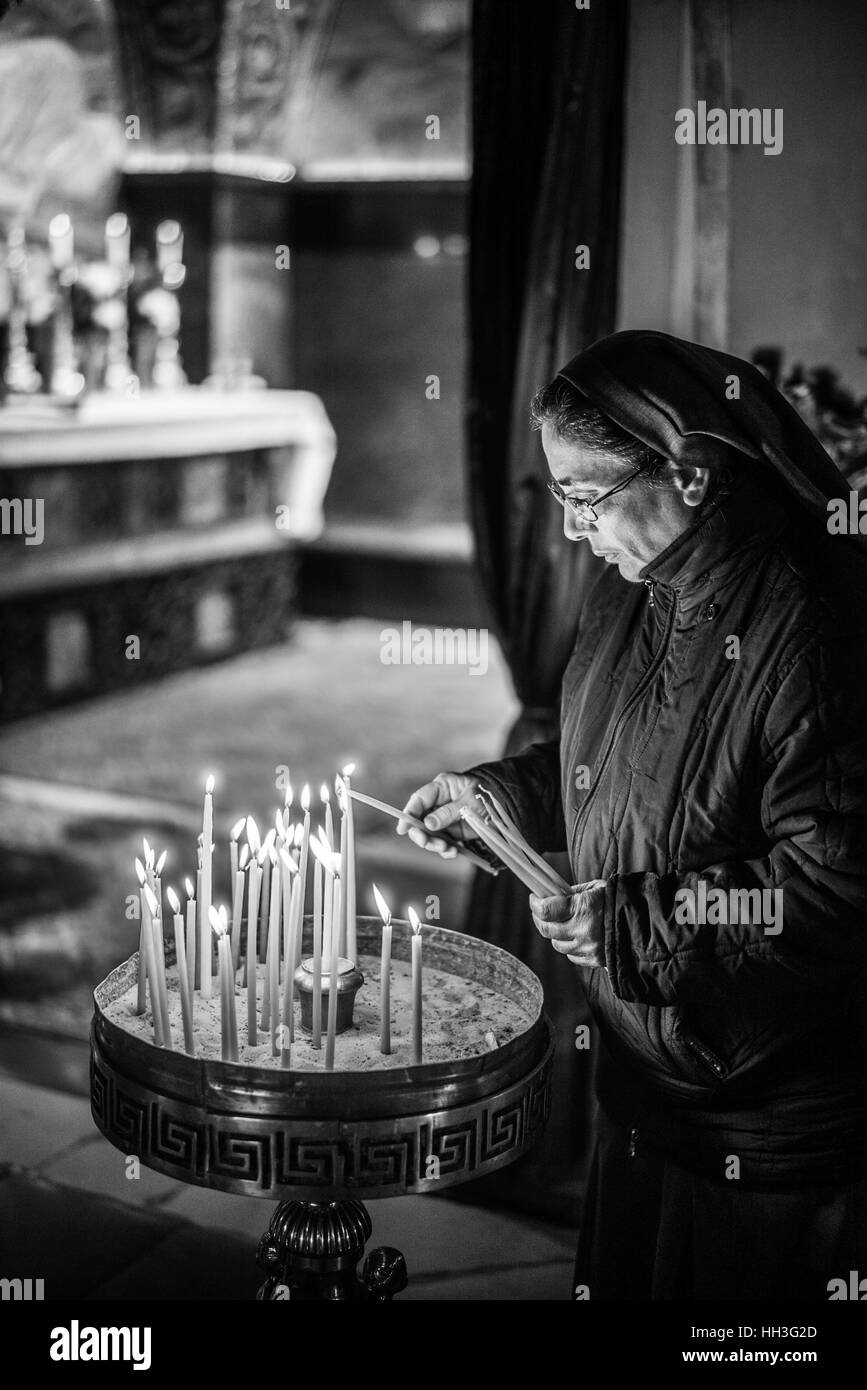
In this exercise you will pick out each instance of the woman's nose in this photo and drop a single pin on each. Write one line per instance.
(573, 528)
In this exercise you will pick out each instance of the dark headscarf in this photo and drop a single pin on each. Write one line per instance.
(671, 394)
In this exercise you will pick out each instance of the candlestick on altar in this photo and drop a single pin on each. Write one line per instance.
(416, 987)
(328, 883)
(190, 941)
(384, 974)
(264, 857)
(205, 892)
(183, 976)
(160, 992)
(344, 802)
(66, 380)
(119, 375)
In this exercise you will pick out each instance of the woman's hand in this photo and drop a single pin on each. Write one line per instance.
(574, 923)
(438, 804)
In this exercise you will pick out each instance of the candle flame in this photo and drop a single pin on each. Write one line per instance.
(305, 797)
(264, 851)
(140, 872)
(340, 789)
(148, 855)
(329, 861)
(161, 862)
(269, 838)
(151, 900)
(289, 795)
(382, 906)
(243, 856)
(174, 900)
(298, 836)
(209, 785)
(325, 794)
(60, 226)
(414, 921)
(289, 861)
(253, 835)
(216, 922)
(348, 770)
(279, 823)
(237, 828)
(191, 892)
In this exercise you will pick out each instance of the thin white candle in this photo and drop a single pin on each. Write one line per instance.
(342, 799)
(224, 968)
(141, 996)
(287, 1032)
(233, 846)
(333, 977)
(161, 990)
(191, 938)
(237, 914)
(349, 886)
(205, 901)
(316, 1037)
(153, 988)
(416, 987)
(183, 976)
(252, 924)
(384, 974)
(272, 994)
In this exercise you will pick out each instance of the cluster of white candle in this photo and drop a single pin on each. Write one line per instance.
(270, 874)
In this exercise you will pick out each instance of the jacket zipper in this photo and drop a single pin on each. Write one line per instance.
(704, 1054)
(656, 662)
(650, 583)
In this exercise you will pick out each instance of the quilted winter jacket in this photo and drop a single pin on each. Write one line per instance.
(744, 764)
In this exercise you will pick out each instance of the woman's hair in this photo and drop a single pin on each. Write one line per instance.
(573, 419)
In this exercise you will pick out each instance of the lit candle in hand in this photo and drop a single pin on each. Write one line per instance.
(416, 986)
(385, 974)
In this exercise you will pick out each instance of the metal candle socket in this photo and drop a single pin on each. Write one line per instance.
(349, 982)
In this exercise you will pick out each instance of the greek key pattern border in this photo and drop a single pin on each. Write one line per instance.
(279, 1158)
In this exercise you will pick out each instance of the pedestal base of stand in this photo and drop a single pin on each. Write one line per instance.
(311, 1251)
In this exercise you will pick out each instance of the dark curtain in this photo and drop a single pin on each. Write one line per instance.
(548, 84)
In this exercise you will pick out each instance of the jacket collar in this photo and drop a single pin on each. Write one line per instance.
(722, 541)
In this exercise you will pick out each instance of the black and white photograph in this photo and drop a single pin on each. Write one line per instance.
(433, 672)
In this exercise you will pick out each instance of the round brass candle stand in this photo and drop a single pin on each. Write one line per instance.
(321, 1142)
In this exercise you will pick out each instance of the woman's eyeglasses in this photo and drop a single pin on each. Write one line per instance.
(586, 511)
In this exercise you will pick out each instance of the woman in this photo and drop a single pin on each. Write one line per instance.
(710, 787)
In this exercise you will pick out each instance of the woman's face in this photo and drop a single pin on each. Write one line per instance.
(637, 523)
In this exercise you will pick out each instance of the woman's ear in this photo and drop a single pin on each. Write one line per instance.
(692, 481)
